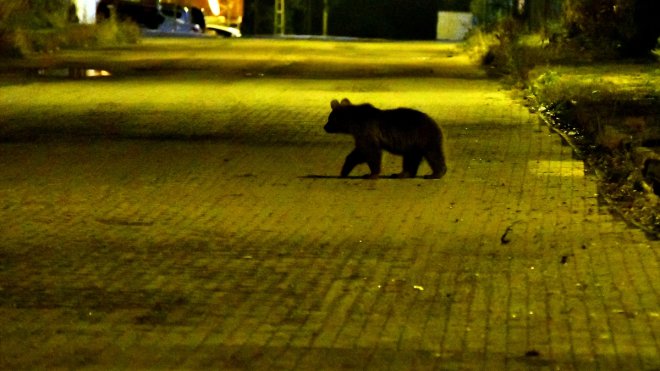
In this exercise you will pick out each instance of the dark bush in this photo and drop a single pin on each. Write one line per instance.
(28, 26)
(625, 28)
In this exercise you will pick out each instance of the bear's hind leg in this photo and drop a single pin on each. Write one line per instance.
(436, 160)
(411, 163)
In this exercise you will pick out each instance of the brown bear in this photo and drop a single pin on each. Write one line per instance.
(401, 131)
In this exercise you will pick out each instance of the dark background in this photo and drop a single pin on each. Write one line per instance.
(387, 19)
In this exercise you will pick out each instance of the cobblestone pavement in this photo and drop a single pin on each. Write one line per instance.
(243, 250)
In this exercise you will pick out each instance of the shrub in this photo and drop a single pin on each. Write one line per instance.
(588, 31)
(622, 28)
(502, 51)
(29, 26)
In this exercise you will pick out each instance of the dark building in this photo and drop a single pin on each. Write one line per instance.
(387, 19)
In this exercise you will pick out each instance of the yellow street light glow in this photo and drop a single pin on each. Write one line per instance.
(557, 168)
(215, 7)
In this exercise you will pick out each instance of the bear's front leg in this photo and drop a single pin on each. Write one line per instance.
(353, 159)
(373, 160)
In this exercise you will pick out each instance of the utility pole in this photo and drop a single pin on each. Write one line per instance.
(279, 18)
(325, 17)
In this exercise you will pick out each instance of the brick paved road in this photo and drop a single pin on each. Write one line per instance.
(242, 250)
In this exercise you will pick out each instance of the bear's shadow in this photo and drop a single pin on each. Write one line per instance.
(316, 176)
(360, 177)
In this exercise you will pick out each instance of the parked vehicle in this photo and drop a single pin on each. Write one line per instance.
(221, 17)
(228, 13)
(224, 31)
(146, 13)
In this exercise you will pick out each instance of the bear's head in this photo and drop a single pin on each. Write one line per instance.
(340, 117)
(347, 117)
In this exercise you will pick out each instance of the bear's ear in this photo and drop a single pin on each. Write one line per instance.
(334, 104)
(345, 102)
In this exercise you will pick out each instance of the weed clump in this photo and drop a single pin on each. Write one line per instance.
(40, 26)
(593, 76)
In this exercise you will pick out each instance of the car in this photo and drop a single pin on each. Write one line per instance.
(154, 15)
(173, 16)
(146, 13)
(223, 31)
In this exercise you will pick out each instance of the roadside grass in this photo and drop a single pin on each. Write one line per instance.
(610, 114)
(593, 97)
(17, 41)
(608, 109)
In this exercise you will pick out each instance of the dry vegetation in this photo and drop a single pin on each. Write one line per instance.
(594, 78)
(40, 26)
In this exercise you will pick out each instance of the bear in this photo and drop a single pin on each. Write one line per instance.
(401, 131)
